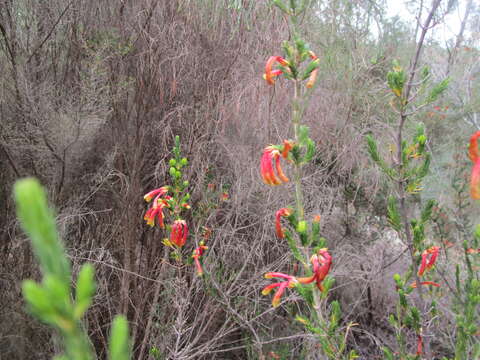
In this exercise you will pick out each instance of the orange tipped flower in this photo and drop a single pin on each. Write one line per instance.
(289, 283)
(325, 260)
(278, 226)
(414, 284)
(271, 73)
(270, 154)
(474, 156)
(156, 210)
(428, 262)
(157, 192)
(179, 233)
(197, 253)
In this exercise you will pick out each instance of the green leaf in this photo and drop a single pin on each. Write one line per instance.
(388, 354)
(119, 344)
(38, 222)
(85, 290)
(293, 247)
(393, 215)
(38, 301)
(437, 90)
(427, 210)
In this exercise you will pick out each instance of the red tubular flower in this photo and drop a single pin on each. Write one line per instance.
(155, 210)
(474, 156)
(325, 260)
(179, 233)
(157, 192)
(266, 167)
(269, 72)
(321, 266)
(419, 345)
(278, 226)
(414, 284)
(427, 263)
(289, 283)
(197, 253)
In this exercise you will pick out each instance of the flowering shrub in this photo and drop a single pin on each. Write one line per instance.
(303, 238)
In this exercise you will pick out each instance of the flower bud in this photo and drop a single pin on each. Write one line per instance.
(302, 227)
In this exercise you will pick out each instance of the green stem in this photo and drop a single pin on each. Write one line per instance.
(296, 116)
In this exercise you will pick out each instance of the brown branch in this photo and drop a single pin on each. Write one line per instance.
(49, 33)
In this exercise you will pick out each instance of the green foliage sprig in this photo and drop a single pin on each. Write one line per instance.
(51, 301)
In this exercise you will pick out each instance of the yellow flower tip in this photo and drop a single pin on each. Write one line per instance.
(167, 242)
(275, 302)
(148, 198)
(266, 291)
(268, 276)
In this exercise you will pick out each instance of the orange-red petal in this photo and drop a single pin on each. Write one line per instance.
(475, 181)
(473, 148)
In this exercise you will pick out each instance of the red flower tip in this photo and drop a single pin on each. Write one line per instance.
(473, 251)
(271, 73)
(284, 212)
(269, 177)
(179, 233)
(157, 192)
(429, 257)
(312, 55)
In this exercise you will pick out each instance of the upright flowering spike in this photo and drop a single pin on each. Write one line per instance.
(197, 253)
(269, 177)
(429, 257)
(157, 192)
(284, 212)
(474, 156)
(179, 233)
(270, 73)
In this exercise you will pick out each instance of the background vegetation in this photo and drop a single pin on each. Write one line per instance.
(92, 96)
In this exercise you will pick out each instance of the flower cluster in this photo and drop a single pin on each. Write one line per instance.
(475, 157)
(179, 228)
(288, 68)
(272, 154)
(321, 266)
(429, 257)
(156, 210)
